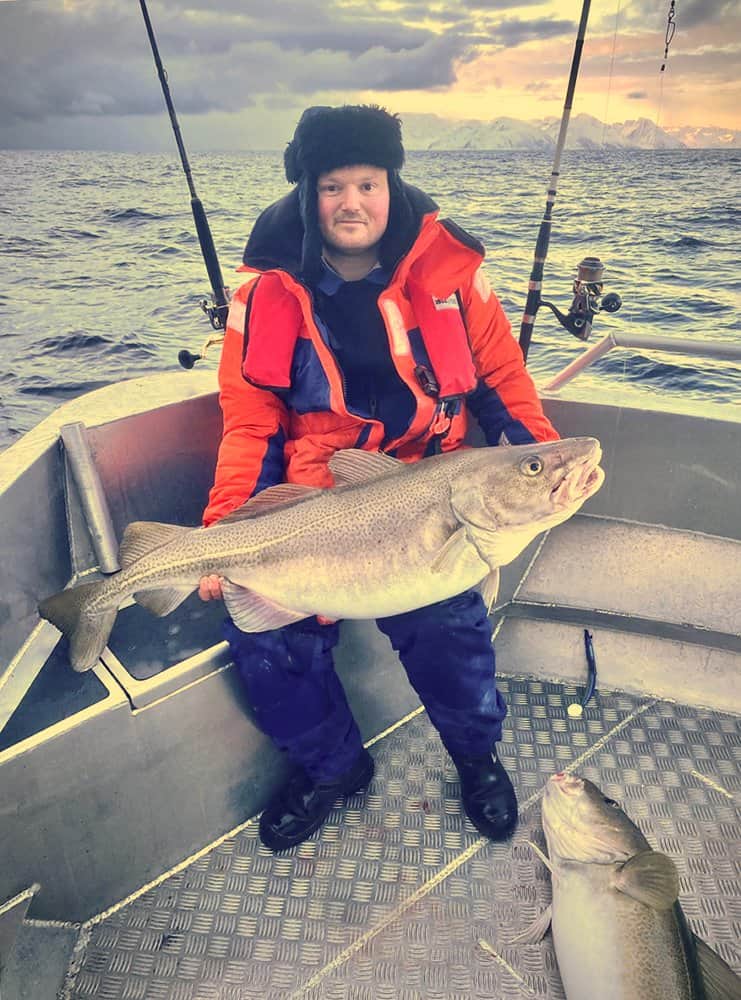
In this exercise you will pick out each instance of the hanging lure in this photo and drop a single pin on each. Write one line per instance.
(576, 708)
(671, 27)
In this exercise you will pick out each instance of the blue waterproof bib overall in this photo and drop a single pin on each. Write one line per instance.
(299, 702)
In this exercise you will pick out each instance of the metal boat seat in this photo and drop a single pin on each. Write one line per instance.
(662, 605)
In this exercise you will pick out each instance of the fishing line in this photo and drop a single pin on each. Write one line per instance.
(610, 75)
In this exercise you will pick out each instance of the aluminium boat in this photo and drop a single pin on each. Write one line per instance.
(131, 863)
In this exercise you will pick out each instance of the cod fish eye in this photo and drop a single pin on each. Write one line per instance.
(531, 466)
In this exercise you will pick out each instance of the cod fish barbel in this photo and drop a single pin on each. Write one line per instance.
(618, 930)
(387, 538)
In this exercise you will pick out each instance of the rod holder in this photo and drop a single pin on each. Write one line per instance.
(92, 495)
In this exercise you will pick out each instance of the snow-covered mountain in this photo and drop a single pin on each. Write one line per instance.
(587, 132)
(428, 131)
(703, 137)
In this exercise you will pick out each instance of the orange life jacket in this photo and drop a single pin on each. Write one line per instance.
(282, 396)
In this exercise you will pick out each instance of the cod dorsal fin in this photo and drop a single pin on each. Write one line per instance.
(142, 537)
(268, 500)
(651, 878)
(351, 466)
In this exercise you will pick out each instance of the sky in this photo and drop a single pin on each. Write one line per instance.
(79, 74)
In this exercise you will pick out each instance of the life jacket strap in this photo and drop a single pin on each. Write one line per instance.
(446, 342)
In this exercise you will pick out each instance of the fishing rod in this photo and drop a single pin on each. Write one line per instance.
(217, 312)
(588, 283)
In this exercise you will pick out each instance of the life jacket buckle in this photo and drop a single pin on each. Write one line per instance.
(427, 381)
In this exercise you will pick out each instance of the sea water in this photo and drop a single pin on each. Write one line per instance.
(101, 274)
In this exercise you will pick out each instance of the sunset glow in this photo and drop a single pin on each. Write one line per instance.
(80, 73)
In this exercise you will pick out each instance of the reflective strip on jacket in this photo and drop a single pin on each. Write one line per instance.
(281, 390)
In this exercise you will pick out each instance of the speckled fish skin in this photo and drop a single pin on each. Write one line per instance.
(365, 549)
(603, 935)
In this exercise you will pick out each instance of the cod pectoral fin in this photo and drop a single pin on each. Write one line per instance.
(489, 588)
(537, 929)
(454, 549)
(718, 978)
(251, 612)
(650, 878)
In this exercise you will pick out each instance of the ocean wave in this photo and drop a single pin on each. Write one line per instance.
(72, 234)
(37, 385)
(166, 251)
(691, 242)
(131, 215)
(77, 341)
(20, 244)
(134, 350)
(638, 367)
(75, 182)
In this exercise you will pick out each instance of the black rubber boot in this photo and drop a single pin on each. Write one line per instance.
(302, 805)
(488, 796)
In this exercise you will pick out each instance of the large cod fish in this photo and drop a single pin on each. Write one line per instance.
(618, 930)
(387, 538)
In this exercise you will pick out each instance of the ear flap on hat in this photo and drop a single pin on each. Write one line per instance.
(403, 224)
(311, 246)
(290, 162)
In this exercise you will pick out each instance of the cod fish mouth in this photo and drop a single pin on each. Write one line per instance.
(580, 482)
(564, 784)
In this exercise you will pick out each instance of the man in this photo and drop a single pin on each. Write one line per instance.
(366, 322)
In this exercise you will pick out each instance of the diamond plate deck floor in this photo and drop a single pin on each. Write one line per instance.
(398, 898)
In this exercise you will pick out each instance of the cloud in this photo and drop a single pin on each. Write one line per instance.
(76, 65)
(697, 12)
(500, 4)
(513, 31)
(306, 26)
(688, 14)
(94, 58)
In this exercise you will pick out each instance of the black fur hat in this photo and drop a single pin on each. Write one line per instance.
(326, 138)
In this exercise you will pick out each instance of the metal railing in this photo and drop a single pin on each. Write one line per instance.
(719, 350)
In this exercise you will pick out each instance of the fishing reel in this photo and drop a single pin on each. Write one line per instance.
(588, 299)
(217, 318)
(216, 313)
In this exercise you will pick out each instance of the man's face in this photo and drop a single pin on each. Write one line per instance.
(353, 208)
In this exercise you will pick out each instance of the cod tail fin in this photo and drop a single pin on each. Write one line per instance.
(87, 633)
